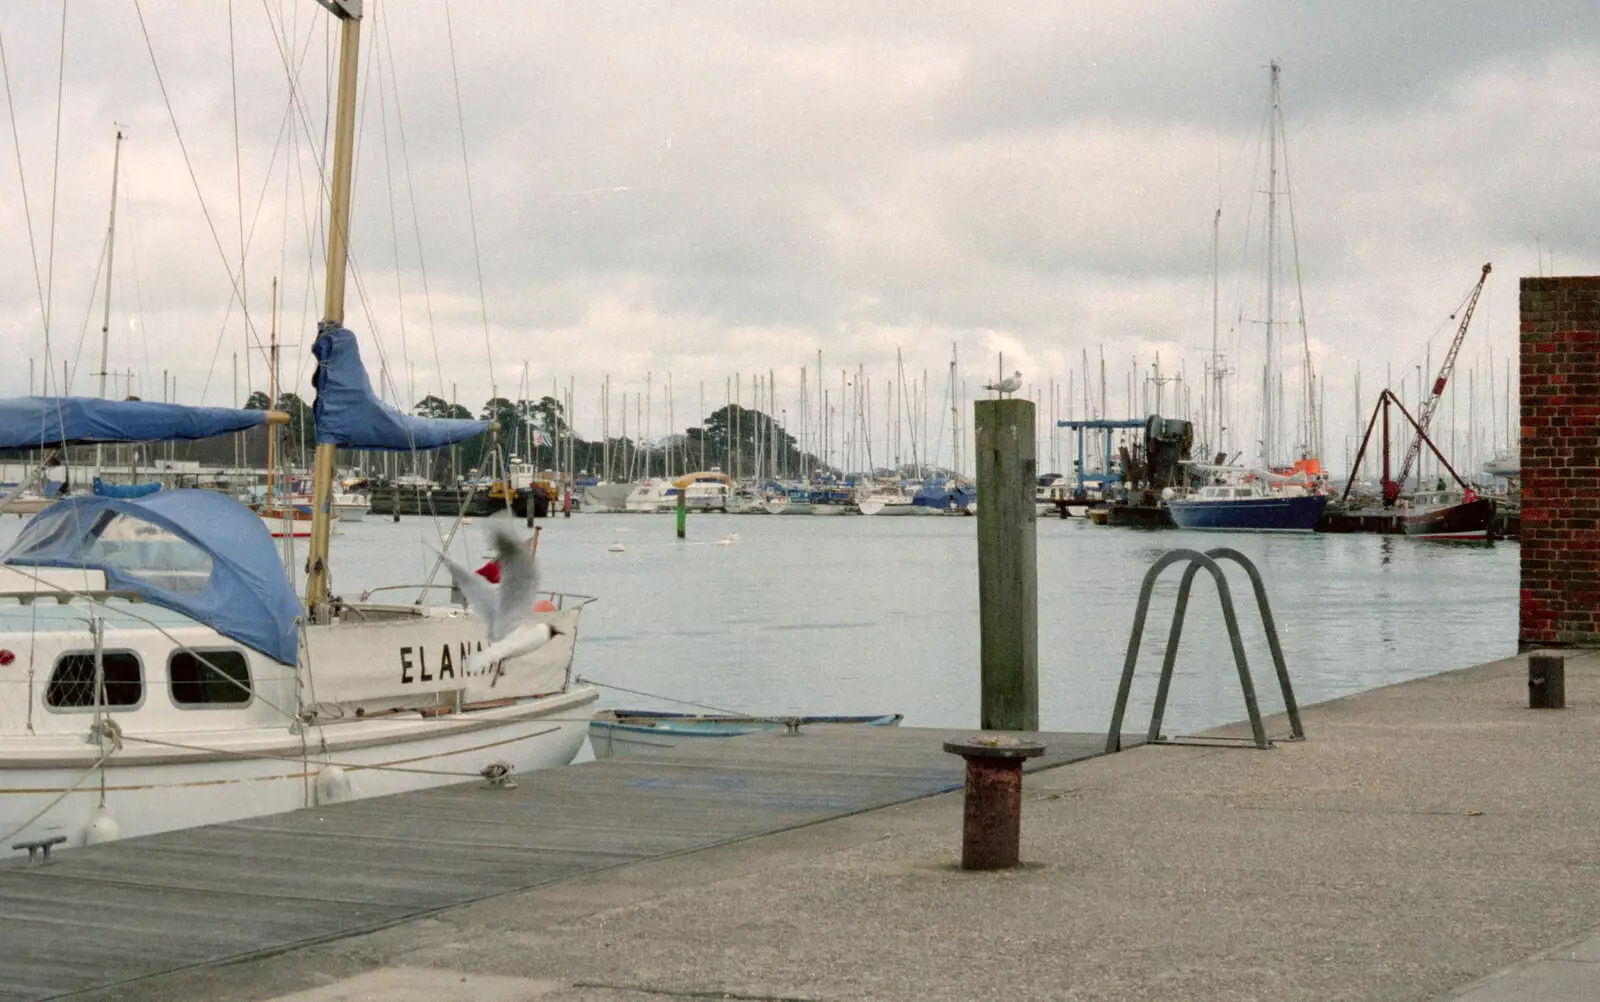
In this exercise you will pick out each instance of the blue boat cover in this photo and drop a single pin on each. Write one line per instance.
(350, 415)
(40, 422)
(945, 494)
(193, 551)
(105, 490)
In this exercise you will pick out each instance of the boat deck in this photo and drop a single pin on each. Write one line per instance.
(112, 914)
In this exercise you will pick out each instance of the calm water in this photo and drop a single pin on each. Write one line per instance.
(869, 615)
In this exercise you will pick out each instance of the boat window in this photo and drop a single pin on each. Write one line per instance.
(209, 678)
(150, 553)
(72, 685)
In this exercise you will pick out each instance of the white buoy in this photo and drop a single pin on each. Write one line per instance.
(725, 541)
(333, 786)
(466, 521)
(103, 828)
(616, 547)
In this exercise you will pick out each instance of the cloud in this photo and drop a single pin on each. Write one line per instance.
(710, 188)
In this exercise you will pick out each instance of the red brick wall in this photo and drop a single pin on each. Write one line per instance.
(1560, 379)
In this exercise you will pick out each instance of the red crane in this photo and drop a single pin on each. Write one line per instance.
(1425, 418)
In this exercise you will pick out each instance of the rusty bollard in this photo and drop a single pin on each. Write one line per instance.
(991, 832)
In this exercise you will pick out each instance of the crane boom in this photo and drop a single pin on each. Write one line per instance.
(1425, 418)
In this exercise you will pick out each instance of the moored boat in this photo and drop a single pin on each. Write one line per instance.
(618, 733)
(1450, 515)
(1246, 508)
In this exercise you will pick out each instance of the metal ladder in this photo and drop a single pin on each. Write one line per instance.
(1208, 561)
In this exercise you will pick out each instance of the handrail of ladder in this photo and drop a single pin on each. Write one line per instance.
(1207, 561)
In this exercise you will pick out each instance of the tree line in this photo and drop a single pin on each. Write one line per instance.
(738, 440)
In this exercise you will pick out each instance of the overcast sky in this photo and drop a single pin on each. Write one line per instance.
(708, 188)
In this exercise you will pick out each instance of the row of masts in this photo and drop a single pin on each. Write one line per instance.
(876, 423)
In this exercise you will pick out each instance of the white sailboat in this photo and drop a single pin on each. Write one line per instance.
(157, 670)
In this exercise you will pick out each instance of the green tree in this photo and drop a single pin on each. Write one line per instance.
(302, 422)
(436, 407)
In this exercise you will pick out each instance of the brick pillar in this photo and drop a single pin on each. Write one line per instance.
(1560, 382)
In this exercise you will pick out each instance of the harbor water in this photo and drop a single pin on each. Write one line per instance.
(877, 615)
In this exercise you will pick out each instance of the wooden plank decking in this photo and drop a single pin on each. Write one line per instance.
(114, 913)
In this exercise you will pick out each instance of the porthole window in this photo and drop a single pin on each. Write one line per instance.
(72, 681)
(209, 678)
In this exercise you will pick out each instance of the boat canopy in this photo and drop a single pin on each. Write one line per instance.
(349, 414)
(44, 422)
(193, 551)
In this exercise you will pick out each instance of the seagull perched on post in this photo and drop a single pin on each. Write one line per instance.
(1006, 386)
(507, 607)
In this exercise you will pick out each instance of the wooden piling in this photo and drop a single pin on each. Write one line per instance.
(683, 513)
(1008, 587)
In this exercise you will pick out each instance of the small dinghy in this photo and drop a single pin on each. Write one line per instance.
(616, 733)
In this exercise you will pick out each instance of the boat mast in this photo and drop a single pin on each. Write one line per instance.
(105, 323)
(955, 420)
(1269, 402)
(272, 394)
(349, 14)
(1216, 356)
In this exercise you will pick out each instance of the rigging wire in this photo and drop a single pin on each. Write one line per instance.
(279, 38)
(138, 289)
(472, 216)
(394, 227)
(55, 173)
(88, 308)
(27, 212)
(188, 162)
(238, 198)
(416, 222)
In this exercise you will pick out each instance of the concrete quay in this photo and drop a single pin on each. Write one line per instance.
(1430, 840)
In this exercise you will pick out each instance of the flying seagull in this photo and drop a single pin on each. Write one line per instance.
(1006, 386)
(507, 607)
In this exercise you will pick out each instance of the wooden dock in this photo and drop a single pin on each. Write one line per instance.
(112, 914)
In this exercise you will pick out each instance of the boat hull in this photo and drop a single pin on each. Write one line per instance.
(621, 733)
(1287, 514)
(154, 788)
(1470, 521)
(287, 523)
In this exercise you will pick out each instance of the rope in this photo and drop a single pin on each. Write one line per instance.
(325, 764)
(654, 695)
(46, 809)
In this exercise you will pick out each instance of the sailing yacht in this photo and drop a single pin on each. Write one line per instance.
(157, 670)
(1272, 497)
(1248, 506)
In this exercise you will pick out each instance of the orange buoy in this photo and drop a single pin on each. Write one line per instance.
(544, 605)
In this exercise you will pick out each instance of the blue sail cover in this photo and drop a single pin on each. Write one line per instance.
(351, 416)
(41, 422)
(193, 551)
(106, 490)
